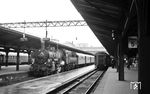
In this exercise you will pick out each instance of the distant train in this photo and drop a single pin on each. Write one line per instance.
(48, 61)
(12, 59)
(102, 60)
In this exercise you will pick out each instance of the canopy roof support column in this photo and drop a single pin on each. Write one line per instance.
(7, 51)
(143, 47)
(18, 60)
(120, 59)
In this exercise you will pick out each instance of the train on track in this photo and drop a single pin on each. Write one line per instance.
(102, 60)
(49, 61)
(23, 59)
(52, 60)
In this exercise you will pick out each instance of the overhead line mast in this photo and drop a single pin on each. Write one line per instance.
(44, 24)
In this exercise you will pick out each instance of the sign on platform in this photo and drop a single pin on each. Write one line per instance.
(132, 42)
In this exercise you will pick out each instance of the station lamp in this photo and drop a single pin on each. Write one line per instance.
(113, 35)
(24, 38)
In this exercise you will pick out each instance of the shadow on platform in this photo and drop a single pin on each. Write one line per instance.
(111, 85)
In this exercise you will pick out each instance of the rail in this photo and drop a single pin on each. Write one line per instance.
(73, 85)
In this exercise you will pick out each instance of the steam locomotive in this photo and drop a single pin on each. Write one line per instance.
(51, 60)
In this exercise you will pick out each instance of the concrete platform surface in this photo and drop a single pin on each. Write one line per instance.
(12, 69)
(111, 85)
(44, 84)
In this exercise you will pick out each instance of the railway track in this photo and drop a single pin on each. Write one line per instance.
(83, 85)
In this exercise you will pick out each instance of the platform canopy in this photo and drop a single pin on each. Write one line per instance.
(12, 39)
(67, 47)
(106, 18)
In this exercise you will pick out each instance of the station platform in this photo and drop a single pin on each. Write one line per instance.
(9, 75)
(111, 85)
(12, 69)
(45, 84)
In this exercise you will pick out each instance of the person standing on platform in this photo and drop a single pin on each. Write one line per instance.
(113, 63)
(129, 63)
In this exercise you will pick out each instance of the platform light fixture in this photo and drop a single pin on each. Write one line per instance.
(113, 35)
(24, 38)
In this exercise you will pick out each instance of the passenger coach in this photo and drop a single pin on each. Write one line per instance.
(102, 60)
